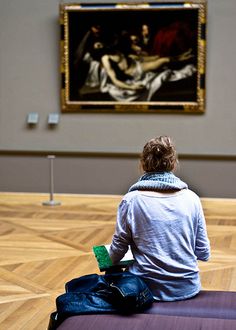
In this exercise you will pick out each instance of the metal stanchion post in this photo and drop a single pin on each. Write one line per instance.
(51, 202)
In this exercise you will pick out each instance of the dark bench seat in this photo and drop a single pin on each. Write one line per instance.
(209, 310)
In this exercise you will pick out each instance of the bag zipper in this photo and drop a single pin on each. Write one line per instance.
(116, 287)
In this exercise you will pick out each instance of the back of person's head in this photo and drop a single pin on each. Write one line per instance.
(159, 155)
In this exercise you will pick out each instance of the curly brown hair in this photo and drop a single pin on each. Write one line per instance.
(159, 155)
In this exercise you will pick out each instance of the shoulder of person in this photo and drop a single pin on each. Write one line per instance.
(192, 197)
(128, 197)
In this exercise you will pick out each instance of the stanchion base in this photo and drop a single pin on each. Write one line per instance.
(51, 203)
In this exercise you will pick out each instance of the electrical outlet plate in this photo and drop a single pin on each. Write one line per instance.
(32, 118)
(53, 118)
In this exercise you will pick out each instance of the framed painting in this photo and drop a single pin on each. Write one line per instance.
(140, 58)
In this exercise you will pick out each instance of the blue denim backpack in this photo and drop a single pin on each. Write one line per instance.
(122, 293)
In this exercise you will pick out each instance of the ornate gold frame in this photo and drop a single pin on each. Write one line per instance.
(71, 104)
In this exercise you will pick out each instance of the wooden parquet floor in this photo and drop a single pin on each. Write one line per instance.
(42, 247)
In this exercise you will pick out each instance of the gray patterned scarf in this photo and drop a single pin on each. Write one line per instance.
(156, 181)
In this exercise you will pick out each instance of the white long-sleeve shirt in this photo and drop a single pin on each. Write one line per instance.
(167, 234)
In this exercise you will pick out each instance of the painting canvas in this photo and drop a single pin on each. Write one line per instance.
(140, 58)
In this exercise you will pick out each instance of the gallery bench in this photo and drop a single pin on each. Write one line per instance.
(209, 310)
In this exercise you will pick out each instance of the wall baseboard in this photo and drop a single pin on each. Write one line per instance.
(98, 154)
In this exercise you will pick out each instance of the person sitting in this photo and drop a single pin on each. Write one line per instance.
(162, 220)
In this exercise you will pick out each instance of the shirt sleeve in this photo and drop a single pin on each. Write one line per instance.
(122, 236)
(202, 247)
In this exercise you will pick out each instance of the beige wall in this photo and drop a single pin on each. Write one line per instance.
(29, 82)
(109, 174)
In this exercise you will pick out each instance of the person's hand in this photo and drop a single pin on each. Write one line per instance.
(186, 56)
(137, 86)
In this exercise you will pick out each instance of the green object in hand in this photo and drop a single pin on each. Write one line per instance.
(102, 256)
